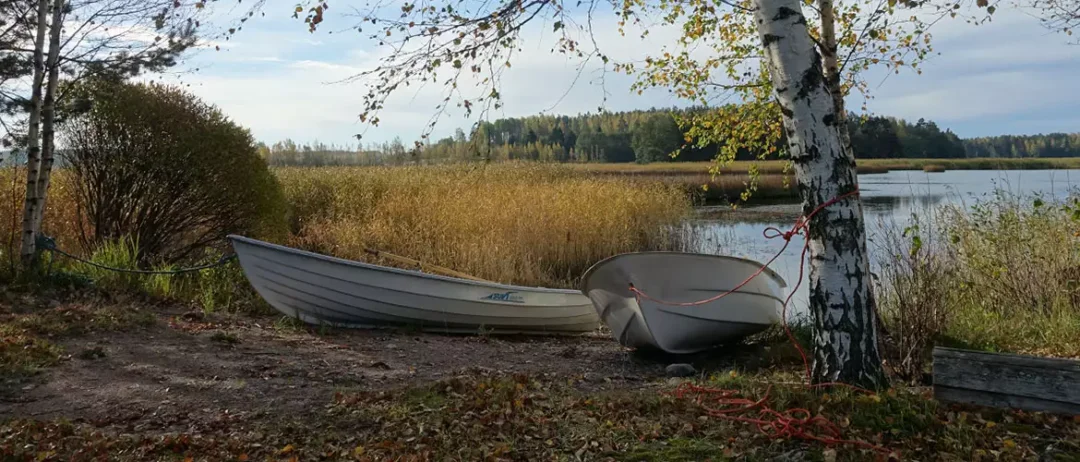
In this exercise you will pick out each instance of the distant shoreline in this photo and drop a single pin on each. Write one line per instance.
(865, 166)
(775, 182)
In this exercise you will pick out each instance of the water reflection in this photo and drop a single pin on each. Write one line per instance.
(888, 204)
(889, 200)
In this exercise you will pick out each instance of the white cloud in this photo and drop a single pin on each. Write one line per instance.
(980, 95)
(276, 80)
(998, 71)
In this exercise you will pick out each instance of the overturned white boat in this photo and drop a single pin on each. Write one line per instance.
(657, 321)
(324, 290)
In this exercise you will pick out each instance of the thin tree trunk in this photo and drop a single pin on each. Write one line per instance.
(831, 65)
(33, 154)
(841, 296)
(48, 123)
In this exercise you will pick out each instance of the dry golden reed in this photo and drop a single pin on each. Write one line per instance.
(60, 218)
(516, 223)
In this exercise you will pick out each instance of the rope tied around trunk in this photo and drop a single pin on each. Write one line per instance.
(48, 243)
(791, 423)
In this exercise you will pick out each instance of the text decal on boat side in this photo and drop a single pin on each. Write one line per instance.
(504, 297)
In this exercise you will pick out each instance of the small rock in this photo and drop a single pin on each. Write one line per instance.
(380, 365)
(680, 370)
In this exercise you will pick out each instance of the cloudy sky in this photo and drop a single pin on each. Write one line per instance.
(1007, 77)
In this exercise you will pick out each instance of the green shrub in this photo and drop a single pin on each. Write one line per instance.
(917, 278)
(1002, 275)
(155, 164)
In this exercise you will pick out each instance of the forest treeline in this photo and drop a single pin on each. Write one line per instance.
(650, 136)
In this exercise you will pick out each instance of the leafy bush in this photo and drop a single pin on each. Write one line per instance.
(155, 164)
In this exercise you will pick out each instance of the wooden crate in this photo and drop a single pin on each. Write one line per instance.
(1008, 381)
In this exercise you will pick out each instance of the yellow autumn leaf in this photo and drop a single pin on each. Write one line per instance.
(287, 449)
(1009, 444)
(828, 455)
(358, 451)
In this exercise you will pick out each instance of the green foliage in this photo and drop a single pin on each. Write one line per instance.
(1000, 276)
(609, 137)
(1049, 145)
(154, 163)
(220, 288)
(657, 139)
(120, 253)
(223, 289)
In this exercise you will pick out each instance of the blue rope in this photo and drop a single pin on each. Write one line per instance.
(47, 243)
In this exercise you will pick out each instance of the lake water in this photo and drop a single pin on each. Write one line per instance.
(889, 200)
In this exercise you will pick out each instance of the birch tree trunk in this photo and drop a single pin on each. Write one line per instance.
(841, 297)
(33, 150)
(48, 123)
(831, 63)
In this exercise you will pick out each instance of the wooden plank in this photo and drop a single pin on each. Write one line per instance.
(1000, 380)
(998, 400)
(1011, 359)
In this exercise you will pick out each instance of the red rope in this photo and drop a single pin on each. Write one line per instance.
(791, 423)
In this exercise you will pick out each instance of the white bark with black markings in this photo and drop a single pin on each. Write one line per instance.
(841, 297)
(33, 150)
(48, 117)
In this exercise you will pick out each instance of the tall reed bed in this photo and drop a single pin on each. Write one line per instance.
(704, 188)
(515, 223)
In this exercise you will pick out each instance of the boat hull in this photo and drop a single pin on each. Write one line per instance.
(324, 290)
(641, 323)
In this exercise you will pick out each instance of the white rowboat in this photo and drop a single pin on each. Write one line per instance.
(675, 277)
(324, 290)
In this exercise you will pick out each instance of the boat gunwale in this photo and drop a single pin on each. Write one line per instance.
(585, 277)
(387, 269)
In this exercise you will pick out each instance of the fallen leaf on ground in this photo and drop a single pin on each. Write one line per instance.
(829, 455)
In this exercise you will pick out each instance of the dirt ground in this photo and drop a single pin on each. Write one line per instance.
(173, 385)
(184, 371)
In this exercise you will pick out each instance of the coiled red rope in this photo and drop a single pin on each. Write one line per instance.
(791, 423)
